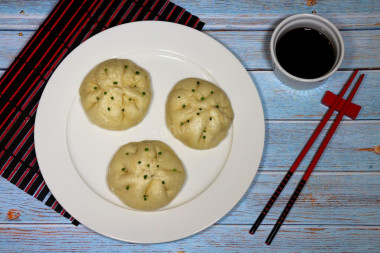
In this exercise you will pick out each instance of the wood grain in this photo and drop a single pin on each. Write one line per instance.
(250, 47)
(221, 238)
(339, 208)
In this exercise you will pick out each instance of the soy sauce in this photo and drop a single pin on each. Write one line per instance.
(305, 53)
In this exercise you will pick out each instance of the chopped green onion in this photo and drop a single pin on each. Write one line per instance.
(125, 66)
(146, 149)
(175, 170)
(200, 109)
(163, 182)
(198, 82)
(127, 188)
(183, 106)
(115, 82)
(148, 165)
(181, 123)
(217, 106)
(188, 121)
(127, 153)
(95, 88)
(123, 169)
(193, 90)
(130, 99)
(109, 109)
(139, 162)
(158, 166)
(97, 98)
(145, 176)
(159, 153)
(198, 113)
(122, 110)
(204, 137)
(179, 96)
(202, 98)
(143, 93)
(210, 118)
(105, 70)
(112, 98)
(212, 92)
(137, 72)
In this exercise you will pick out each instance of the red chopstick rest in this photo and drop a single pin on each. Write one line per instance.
(352, 111)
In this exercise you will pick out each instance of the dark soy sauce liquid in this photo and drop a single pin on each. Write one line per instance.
(305, 53)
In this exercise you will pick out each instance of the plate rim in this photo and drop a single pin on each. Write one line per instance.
(42, 128)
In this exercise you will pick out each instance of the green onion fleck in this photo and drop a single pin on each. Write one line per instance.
(179, 96)
(139, 162)
(204, 137)
(200, 109)
(127, 188)
(159, 153)
(109, 109)
(127, 153)
(95, 88)
(148, 165)
(145, 176)
(181, 123)
(112, 98)
(188, 121)
(143, 93)
(217, 106)
(137, 72)
(210, 118)
(212, 92)
(163, 182)
(146, 149)
(123, 169)
(105, 93)
(204, 131)
(193, 90)
(130, 99)
(105, 70)
(202, 98)
(198, 82)
(97, 98)
(122, 110)
(158, 166)
(175, 170)
(115, 82)
(183, 106)
(198, 113)
(125, 66)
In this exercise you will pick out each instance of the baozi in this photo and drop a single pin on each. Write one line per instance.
(116, 94)
(146, 175)
(198, 113)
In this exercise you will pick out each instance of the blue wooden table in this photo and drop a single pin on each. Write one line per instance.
(339, 208)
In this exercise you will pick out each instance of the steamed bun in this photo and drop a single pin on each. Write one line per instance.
(198, 113)
(146, 175)
(116, 94)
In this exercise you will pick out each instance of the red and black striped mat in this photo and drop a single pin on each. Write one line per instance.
(69, 24)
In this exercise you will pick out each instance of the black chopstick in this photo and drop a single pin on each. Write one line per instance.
(302, 154)
(313, 162)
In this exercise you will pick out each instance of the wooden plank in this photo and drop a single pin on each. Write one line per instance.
(223, 238)
(279, 100)
(352, 144)
(250, 47)
(225, 15)
(343, 198)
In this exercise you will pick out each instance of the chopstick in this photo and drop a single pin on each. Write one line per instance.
(313, 162)
(302, 154)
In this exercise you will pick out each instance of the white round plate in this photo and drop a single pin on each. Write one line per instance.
(74, 154)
